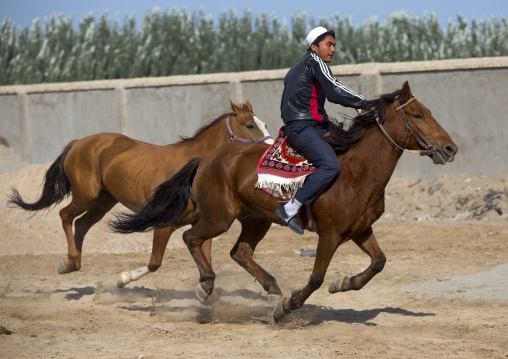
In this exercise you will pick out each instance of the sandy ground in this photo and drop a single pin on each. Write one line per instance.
(443, 292)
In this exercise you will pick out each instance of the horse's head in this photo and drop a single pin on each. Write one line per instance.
(421, 131)
(246, 126)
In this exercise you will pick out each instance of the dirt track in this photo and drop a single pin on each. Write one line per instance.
(443, 292)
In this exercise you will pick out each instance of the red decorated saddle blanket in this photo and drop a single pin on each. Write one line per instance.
(282, 170)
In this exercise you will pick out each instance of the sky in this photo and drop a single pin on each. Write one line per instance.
(22, 12)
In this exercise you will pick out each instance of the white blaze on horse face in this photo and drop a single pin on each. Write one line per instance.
(262, 127)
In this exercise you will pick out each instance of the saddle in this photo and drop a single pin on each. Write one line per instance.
(282, 170)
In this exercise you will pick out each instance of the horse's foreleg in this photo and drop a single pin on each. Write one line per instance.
(253, 231)
(367, 242)
(159, 244)
(324, 254)
(125, 278)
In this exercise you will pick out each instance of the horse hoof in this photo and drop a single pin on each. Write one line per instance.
(123, 279)
(213, 299)
(336, 286)
(278, 312)
(62, 269)
(201, 294)
(273, 299)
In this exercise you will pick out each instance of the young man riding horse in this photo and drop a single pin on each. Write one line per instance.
(306, 87)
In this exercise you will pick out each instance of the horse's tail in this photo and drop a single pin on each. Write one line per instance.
(55, 188)
(167, 204)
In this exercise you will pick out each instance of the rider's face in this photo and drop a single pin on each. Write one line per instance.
(325, 49)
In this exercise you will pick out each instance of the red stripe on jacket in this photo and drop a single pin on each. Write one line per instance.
(316, 90)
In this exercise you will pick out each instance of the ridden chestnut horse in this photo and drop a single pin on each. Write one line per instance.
(104, 169)
(211, 193)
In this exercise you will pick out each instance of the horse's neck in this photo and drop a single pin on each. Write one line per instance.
(376, 157)
(204, 143)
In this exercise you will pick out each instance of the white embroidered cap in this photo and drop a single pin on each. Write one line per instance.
(314, 34)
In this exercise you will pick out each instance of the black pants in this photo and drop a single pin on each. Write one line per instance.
(307, 138)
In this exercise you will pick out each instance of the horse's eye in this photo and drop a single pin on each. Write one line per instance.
(251, 126)
(417, 116)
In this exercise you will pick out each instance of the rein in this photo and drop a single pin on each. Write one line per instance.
(411, 131)
(240, 139)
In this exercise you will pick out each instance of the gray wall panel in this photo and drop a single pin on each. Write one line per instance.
(467, 97)
(12, 122)
(96, 111)
(160, 115)
(51, 124)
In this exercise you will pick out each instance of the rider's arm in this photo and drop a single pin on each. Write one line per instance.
(334, 90)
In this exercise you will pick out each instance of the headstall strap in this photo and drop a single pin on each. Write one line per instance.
(415, 132)
(411, 131)
(240, 139)
(404, 104)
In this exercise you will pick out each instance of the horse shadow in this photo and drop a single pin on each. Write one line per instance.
(159, 295)
(229, 309)
(79, 293)
(314, 315)
(234, 309)
(117, 294)
(187, 301)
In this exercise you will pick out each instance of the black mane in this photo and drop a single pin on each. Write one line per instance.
(342, 140)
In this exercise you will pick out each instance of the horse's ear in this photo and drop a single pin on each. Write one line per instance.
(234, 107)
(405, 93)
(249, 106)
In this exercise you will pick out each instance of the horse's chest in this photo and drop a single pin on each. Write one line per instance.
(371, 212)
(365, 220)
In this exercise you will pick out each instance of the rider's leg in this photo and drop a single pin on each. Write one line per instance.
(306, 138)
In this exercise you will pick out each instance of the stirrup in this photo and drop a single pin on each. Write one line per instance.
(292, 222)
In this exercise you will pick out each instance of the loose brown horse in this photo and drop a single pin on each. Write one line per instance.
(222, 189)
(104, 169)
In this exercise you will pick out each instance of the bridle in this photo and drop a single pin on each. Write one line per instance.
(240, 139)
(411, 131)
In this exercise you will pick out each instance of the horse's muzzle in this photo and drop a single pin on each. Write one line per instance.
(442, 154)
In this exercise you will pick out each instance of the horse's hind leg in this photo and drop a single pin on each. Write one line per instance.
(367, 242)
(95, 209)
(102, 205)
(207, 250)
(194, 239)
(253, 231)
(73, 261)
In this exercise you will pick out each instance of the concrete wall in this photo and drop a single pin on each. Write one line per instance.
(468, 97)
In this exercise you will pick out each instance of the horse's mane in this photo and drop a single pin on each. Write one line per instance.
(212, 123)
(205, 127)
(342, 140)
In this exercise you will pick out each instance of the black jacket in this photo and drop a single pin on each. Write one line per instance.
(306, 87)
